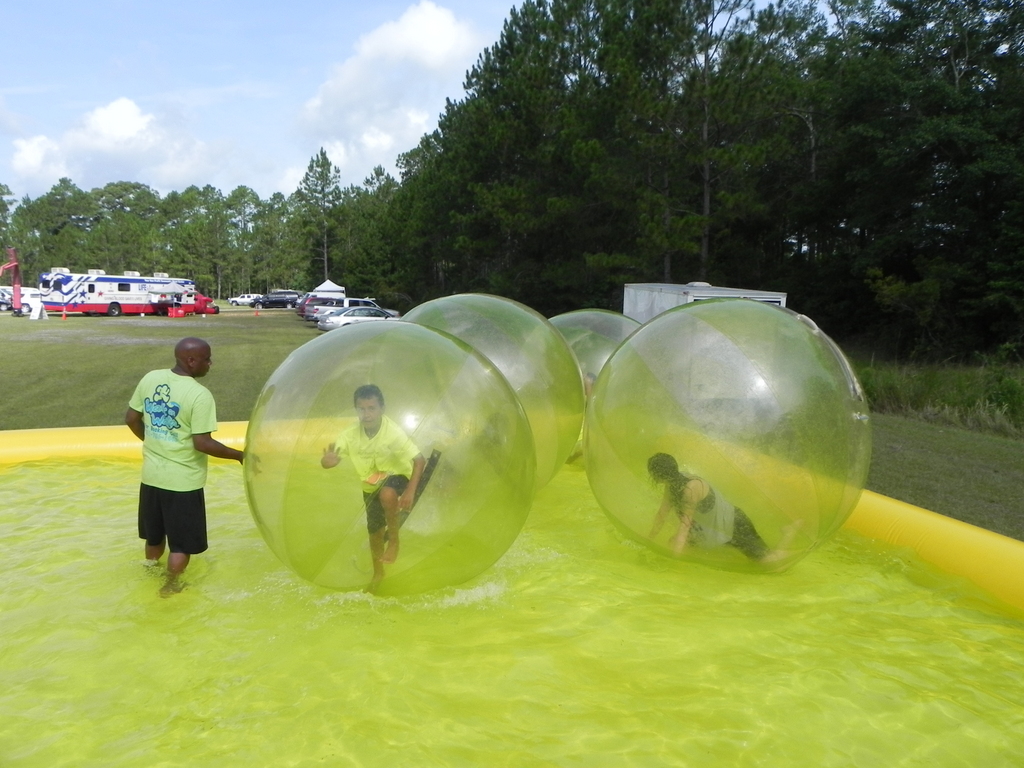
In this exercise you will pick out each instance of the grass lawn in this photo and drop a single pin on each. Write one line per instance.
(82, 371)
(973, 476)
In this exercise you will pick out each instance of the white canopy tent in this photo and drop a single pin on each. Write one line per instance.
(329, 288)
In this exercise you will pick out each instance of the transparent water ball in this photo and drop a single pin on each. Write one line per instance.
(762, 420)
(531, 354)
(452, 403)
(592, 335)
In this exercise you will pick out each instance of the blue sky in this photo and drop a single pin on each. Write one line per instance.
(224, 92)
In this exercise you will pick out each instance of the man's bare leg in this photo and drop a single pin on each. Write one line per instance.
(389, 500)
(177, 562)
(154, 553)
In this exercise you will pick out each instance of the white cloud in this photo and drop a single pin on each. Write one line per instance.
(381, 100)
(291, 178)
(38, 157)
(204, 125)
(112, 142)
(337, 151)
(426, 34)
(118, 125)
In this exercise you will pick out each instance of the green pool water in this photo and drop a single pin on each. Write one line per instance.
(576, 649)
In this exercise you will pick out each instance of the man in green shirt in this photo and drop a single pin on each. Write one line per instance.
(390, 466)
(174, 415)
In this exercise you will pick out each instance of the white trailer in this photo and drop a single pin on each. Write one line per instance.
(644, 301)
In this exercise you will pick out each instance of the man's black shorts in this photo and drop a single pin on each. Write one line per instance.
(178, 515)
(374, 509)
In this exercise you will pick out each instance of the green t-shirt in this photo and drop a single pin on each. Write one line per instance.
(173, 408)
(389, 452)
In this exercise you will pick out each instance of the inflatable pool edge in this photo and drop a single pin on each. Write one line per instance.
(993, 562)
(21, 445)
(990, 560)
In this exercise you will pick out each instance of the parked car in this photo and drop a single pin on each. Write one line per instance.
(277, 299)
(30, 298)
(315, 298)
(315, 304)
(343, 302)
(339, 318)
(245, 299)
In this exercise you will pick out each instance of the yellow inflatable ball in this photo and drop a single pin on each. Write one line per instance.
(531, 354)
(389, 457)
(592, 335)
(731, 433)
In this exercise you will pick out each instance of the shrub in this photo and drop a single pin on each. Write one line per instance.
(988, 398)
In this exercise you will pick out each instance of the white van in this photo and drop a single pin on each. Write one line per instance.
(30, 299)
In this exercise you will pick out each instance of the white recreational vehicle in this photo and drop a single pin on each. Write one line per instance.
(97, 293)
(644, 301)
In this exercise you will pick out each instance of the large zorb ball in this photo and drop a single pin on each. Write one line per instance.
(448, 399)
(750, 398)
(592, 335)
(531, 354)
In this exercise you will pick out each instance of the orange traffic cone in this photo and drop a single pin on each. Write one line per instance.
(257, 312)
(64, 313)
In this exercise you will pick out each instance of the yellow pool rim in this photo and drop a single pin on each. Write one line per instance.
(990, 560)
(21, 445)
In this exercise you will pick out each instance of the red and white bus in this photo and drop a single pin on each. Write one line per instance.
(97, 293)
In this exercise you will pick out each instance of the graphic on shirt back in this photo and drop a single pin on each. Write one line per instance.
(162, 413)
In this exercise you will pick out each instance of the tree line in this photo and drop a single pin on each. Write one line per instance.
(865, 156)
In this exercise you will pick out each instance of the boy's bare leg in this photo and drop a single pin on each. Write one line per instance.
(376, 553)
(389, 500)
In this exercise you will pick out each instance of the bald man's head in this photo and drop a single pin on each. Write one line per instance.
(192, 357)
